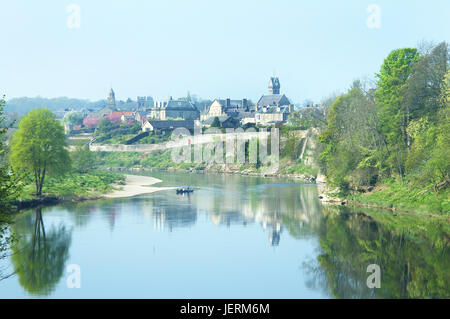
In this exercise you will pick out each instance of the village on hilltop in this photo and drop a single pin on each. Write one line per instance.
(161, 117)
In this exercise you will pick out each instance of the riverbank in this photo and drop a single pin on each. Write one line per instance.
(137, 185)
(87, 187)
(404, 197)
(162, 161)
(300, 177)
(395, 196)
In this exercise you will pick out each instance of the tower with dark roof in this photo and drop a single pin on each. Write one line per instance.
(111, 100)
(274, 85)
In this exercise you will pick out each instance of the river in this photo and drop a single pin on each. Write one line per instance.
(234, 237)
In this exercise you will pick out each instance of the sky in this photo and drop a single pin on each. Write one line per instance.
(214, 49)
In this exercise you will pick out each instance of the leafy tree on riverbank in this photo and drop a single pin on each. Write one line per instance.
(400, 129)
(352, 139)
(9, 185)
(38, 147)
(393, 114)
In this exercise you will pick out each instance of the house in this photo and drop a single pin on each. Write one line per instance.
(166, 126)
(202, 105)
(272, 114)
(249, 119)
(128, 117)
(144, 103)
(105, 111)
(174, 109)
(228, 107)
(140, 116)
(274, 107)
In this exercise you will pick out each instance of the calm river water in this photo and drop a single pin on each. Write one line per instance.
(234, 237)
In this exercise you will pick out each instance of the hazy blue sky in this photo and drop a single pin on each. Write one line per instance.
(211, 48)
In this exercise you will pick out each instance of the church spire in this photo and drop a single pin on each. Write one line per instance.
(111, 100)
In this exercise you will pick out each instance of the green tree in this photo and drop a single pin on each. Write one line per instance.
(352, 140)
(394, 115)
(38, 147)
(75, 118)
(9, 183)
(421, 96)
(83, 160)
(104, 126)
(429, 159)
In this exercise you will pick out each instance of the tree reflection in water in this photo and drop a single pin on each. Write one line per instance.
(39, 255)
(412, 266)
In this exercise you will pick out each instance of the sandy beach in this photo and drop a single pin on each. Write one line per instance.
(137, 185)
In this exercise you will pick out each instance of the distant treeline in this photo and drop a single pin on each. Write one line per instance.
(23, 105)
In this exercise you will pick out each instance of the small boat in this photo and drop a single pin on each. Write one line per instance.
(184, 190)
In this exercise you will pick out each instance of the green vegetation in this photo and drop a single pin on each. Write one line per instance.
(41, 166)
(292, 146)
(77, 185)
(83, 160)
(405, 196)
(396, 134)
(300, 169)
(155, 160)
(38, 147)
(153, 138)
(110, 133)
(308, 117)
(9, 184)
(9, 187)
(25, 104)
(81, 180)
(290, 163)
(74, 118)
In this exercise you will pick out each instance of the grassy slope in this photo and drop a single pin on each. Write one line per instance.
(405, 196)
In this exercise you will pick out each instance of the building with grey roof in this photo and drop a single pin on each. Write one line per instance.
(273, 108)
(174, 109)
(158, 126)
(234, 108)
(144, 103)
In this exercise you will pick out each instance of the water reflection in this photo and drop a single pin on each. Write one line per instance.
(412, 265)
(275, 207)
(340, 242)
(39, 254)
